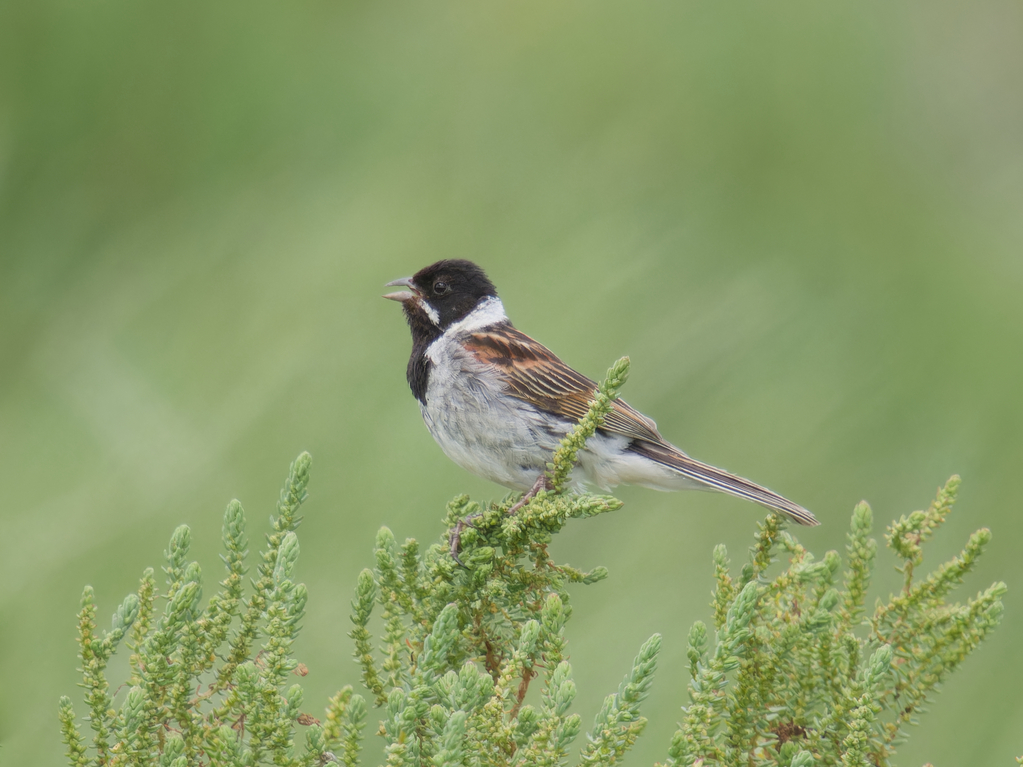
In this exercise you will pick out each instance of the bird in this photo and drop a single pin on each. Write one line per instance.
(498, 402)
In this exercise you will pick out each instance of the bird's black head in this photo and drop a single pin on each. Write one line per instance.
(442, 294)
(437, 297)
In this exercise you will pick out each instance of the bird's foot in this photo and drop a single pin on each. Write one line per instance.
(543, 482)
(455, 541)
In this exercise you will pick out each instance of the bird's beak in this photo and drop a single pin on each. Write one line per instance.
(402, 295)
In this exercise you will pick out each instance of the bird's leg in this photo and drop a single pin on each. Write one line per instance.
(543, 482)
(455, 541)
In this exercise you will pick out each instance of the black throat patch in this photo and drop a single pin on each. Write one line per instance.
(418, 373)
(424, 333)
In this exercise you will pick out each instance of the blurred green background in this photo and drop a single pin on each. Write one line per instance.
(802, 220)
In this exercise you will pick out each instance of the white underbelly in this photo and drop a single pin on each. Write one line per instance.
(495, 437)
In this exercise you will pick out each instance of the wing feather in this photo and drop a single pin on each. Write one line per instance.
(536, 375)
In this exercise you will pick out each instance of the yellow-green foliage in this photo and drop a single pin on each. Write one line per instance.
(200, 693)
(795, 675)
(796, 671)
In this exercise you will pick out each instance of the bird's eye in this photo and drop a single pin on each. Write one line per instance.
(440, 288)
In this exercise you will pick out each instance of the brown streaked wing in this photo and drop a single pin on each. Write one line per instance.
(536, 375)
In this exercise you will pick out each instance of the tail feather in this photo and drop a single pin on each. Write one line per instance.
(714, 478)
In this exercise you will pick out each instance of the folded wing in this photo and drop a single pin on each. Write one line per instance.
(536, 375)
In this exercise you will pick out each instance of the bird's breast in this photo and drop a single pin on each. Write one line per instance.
(479, 425)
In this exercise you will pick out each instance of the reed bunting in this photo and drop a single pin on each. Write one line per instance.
(498, 402)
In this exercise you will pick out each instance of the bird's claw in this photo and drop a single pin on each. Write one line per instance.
(455, 541)
(543, 482)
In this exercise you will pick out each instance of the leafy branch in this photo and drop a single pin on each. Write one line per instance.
(791, 673)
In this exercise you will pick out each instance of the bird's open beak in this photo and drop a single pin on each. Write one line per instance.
(402, 295)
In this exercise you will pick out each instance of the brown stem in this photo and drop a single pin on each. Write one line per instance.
(527, 676)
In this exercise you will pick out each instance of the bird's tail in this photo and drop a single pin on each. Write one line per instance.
(709, 477)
